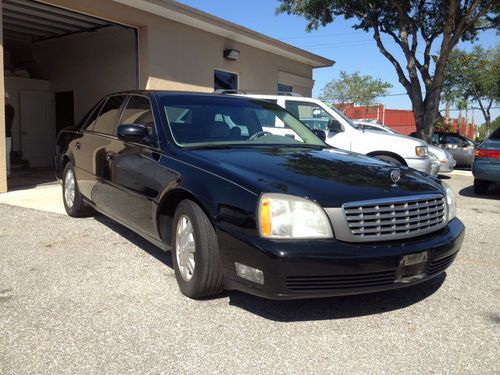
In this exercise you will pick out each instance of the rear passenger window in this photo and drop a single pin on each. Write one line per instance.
(106, 122)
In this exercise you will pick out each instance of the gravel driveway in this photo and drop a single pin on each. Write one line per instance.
(88, 296)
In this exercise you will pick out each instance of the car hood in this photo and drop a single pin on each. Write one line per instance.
(329, 176)
(391, 137)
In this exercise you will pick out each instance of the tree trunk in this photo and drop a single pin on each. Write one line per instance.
(447, 117)
(487, 120)
(426, 114)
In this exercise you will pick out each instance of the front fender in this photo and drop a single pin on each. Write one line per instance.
(228, 205)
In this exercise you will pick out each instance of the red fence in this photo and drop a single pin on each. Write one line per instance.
(401, 120)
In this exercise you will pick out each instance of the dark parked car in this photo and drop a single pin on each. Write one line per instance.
(461, 148)
(486, 167)
(279, 216)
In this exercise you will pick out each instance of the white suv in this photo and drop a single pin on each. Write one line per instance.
(342, 133)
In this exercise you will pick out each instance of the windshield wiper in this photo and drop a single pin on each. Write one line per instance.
(305, 145)
(210, 146)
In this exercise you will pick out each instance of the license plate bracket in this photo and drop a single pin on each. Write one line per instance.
(412, 267)
(413, 259)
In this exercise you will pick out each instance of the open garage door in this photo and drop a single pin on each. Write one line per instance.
(58, 63)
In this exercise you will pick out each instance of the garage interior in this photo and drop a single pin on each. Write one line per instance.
(58, 64)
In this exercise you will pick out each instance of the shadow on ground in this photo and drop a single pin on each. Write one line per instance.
(300, 310)
(493, 192)
(163, 256)
(31, 178)
(336, 307)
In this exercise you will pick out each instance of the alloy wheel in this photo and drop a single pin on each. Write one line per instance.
(185, 247)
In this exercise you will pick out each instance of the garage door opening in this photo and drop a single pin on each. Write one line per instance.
(58, 63)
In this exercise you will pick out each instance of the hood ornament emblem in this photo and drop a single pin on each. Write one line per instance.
(395, 177)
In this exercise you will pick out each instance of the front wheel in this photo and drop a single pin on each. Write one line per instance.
(72, 198)
(195, 252)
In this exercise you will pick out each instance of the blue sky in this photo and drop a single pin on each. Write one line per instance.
(352, 50)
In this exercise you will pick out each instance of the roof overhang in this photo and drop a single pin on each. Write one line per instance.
(195, 18)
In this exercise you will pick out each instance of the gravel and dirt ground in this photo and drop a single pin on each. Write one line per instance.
(89, 296)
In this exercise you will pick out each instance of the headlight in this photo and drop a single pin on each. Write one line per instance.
(286, 216)
(421, 151)
(451, 201)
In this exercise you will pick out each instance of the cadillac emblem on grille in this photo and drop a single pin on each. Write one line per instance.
(395, 177)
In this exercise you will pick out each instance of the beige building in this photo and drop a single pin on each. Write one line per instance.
(61, 56)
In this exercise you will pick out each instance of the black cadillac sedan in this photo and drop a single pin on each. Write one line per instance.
(247, 197)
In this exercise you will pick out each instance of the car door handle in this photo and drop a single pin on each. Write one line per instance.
(110, 155)
(78, 145)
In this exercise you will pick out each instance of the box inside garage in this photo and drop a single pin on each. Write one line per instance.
(58, 64)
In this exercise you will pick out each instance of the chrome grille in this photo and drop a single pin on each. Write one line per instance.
(395, 217)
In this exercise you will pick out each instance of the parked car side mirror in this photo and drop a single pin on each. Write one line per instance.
(335, 126)
(133, 133)
(466, 144)
(320, 134)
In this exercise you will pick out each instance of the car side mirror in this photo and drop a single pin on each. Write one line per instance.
(320, 134)
(133, 133)
(465, 144)
(335, 126)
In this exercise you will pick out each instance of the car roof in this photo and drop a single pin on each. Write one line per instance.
(286, 97)
(152, 93)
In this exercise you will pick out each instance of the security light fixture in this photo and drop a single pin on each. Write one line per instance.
(231, 54)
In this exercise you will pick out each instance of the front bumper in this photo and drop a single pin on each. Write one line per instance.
(323, 268)
(436, 167)
(422, 165)
(447, 166)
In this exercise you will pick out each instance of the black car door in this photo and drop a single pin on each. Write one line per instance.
(132, 169)
(87, 153)
(98, 136)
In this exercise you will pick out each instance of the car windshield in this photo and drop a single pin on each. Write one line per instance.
(224, 121)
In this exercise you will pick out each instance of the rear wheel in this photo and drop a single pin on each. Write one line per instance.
(481, 186)
(73, 200)
(195, 252)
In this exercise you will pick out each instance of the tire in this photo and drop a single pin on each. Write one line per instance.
(481, 186)
(388, 158)
(197, 267)
(73, 202)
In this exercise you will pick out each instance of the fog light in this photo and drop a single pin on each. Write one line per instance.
(249, 273)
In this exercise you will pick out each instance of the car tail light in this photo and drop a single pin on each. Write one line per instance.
(488, 154)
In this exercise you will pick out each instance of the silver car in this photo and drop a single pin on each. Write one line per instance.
(462, 148)
(442, 160)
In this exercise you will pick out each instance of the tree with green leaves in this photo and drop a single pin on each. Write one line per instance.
(484, 131)
(354, 88)
(412, 25)
(474, 77)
